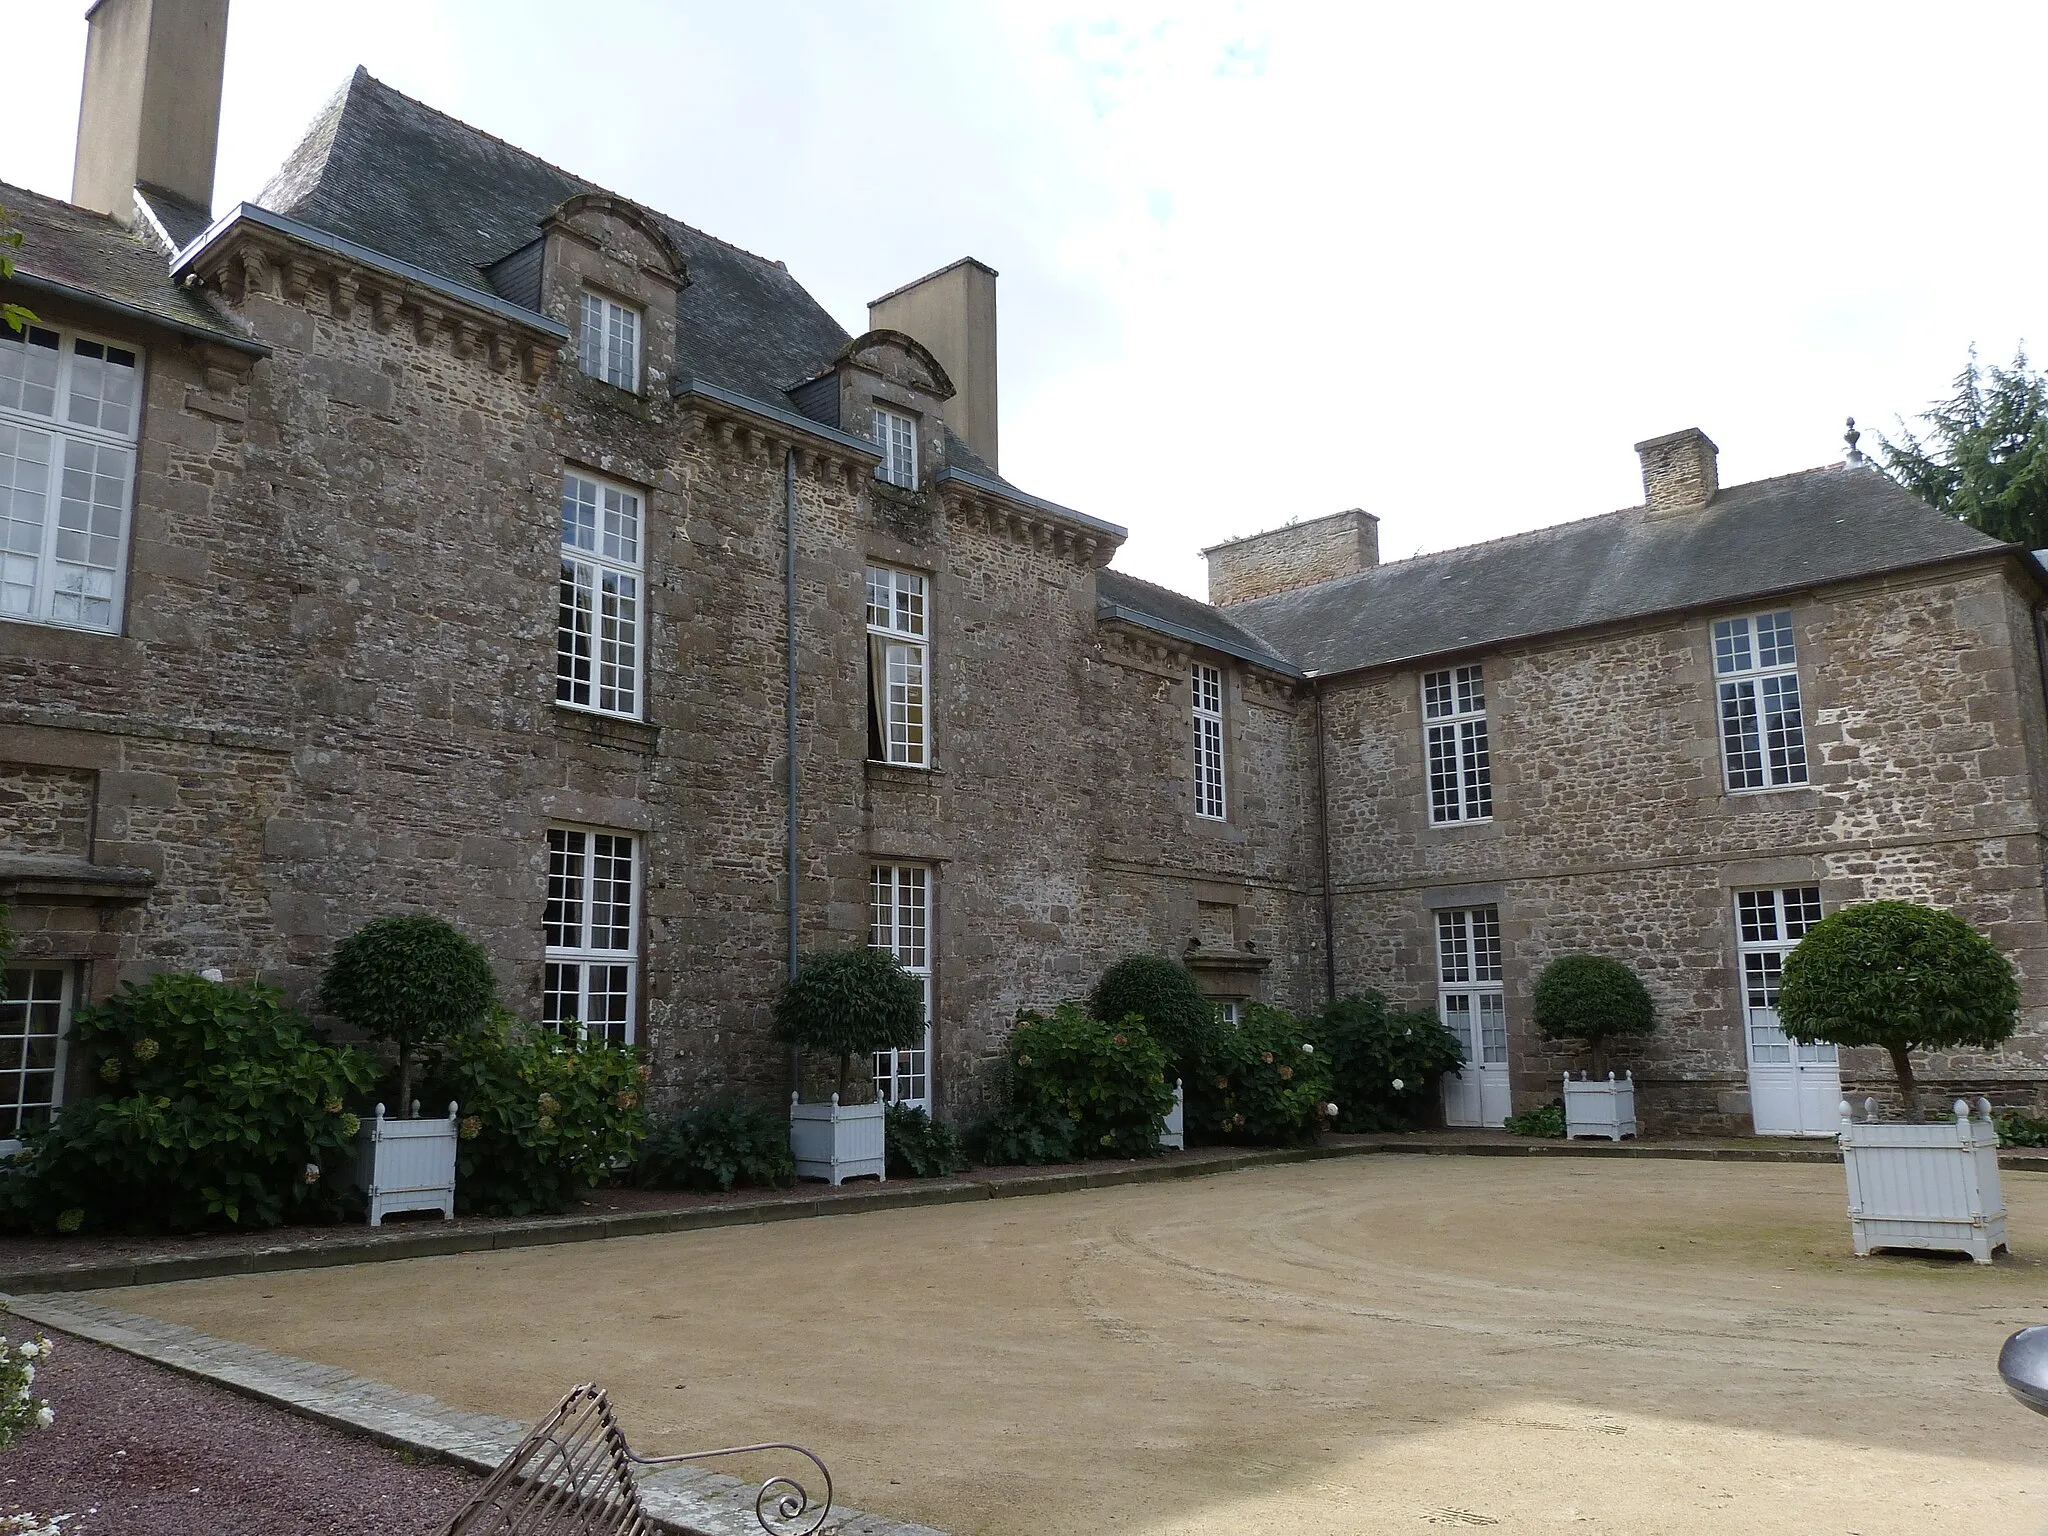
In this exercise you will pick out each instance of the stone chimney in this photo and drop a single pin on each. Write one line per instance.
(150, 114)
(1680, 470)
(1299, 555)
(953, 312)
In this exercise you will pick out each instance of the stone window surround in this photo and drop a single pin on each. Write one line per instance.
(1454, 719)
(895, 432)
(594, 356)
(1471, 972)
(1754, 675)
(594, 563)
(1206, 701)
(61, 430)
(883, 640)
(905, 891)
(580, 847)
(16, 1100)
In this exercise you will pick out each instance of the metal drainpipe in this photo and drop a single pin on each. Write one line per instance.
(2041, 647)
(1323, 837)
(789, 716)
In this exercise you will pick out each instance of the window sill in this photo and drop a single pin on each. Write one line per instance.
(607, 730)
(1453, 826)
(900, 773)
(1776, 797)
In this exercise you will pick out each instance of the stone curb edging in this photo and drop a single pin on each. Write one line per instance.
(574, 1229)
(687, 1501)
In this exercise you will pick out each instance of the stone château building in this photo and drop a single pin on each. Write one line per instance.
(441, 531)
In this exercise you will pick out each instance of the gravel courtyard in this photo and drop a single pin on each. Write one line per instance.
(1364, 1345)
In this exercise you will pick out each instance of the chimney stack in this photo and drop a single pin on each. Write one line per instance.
(1299, 555)
(150, 113)
(1680, 470)
(953, 312)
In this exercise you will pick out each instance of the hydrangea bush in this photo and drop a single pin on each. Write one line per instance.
(20, 1408)
(718, 1145)
(1262, 1082)
(1385, 1062)
(1108, 1080)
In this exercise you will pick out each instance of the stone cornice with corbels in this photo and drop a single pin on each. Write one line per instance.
(762, 434)
(1018, 523)
(1125, 644)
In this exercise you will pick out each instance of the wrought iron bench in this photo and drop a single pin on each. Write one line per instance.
(573, 1476)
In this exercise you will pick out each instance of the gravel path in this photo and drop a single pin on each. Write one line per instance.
(141, 1451)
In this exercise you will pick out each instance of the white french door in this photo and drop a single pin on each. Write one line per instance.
(901, 923)
(1473, 1006)
(1794, 1089)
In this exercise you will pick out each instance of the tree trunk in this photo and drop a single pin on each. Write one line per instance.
(405, 1082)
(1909, 1088)
(845, 1074)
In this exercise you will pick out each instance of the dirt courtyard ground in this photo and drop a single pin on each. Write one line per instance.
(1375, 1344)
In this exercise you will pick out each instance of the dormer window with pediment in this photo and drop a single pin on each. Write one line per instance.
(896, 436)
(608, 347)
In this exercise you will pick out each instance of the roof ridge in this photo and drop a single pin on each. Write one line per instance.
(14, 203)
(1160, 587)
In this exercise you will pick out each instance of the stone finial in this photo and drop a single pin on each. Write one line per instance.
(1853, 457)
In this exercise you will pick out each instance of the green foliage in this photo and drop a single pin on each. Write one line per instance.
(1165, 995)
(1028, 1135)
(1985, 456)
(20, 1408)
(13, 316)
(919, 1146)
(1593, 998)
(718, 1146)
(6, 949)
(1261, 1081)
(1902, 977)
(544, 1116)
(1545, 1122)
(411, 980)
(1109, 1080)
(2022, 1130)
(222, 1108)
(1385, 1063)
(848, 1002)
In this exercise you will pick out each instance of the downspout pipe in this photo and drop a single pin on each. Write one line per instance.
(789, 720)
(2041, 647)
(1323, 840)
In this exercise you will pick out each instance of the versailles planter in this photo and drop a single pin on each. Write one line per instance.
(1600, 1109)
(407, 1165)
(1173, 1128)
(1925, 1186)
(838, 1141)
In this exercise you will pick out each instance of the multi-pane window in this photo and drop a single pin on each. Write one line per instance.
(597, 634)
(1769, 925)
(1207, 689)
(896, 667)
(35, 1018)
(1454, 734)
(1763, 736)
(69, 410)
(608, 345)
(591, 929)
(900, 917)
(896, 436)
(1469, 982)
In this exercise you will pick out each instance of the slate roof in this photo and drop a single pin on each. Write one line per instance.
(89, 255)
(1809, 529)
(391, 173)
(1119, 595)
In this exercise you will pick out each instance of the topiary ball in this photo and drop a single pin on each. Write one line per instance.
(1593, 998)
(1165, 994)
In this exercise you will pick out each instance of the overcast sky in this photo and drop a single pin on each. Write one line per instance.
(1262, 262)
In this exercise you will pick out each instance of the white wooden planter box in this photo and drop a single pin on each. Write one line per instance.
(838, 1141)
(1925, 1186)
(1173, 1129)
(1594, 1108)
(407, 1165)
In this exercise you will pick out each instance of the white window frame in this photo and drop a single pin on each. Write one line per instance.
(1205, 691)
(1769, 923)
(899, 665)
(896, 436)
(24, 978)
(1757, 703)
(1457, 746)
(600, 648)
(1470, 978)
(900, 922)
(608, 341)
(585, 969)
(101, 524)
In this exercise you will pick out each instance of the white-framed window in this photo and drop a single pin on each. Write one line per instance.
(1454, 734)
(1468, 973)
(896, 436)
(1763, 734)
(897, 667)
(591, 930)
(900, 917)
(70, 407)
(35, 1024)
(1207, 691)
(1768, 926)
(601, 615)
(608, 343)
(1231, 1011)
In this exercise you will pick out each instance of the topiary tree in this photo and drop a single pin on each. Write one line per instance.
(1902, 977)
(1165, 994)
(413, 980)
(1593, 998)
(848, 1001)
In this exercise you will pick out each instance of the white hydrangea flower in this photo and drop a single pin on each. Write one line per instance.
(1307, 1049)
(45, 1416)
(29, 1350)
(1399, 1085)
